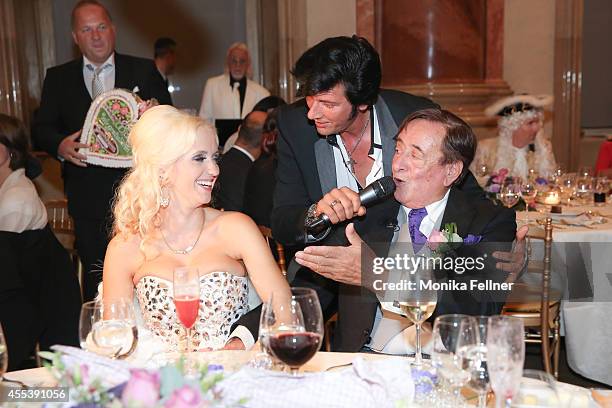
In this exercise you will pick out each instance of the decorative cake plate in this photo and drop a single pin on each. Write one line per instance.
(107, 126)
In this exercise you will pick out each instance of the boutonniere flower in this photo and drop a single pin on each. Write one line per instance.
(445, 240)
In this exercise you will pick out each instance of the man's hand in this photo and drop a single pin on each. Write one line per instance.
(514, 261)
(340, 205)
(234, 344)
(342, 264)
(68, 149)
(146, 105)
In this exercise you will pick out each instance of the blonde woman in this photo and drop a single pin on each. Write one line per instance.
(162, 222)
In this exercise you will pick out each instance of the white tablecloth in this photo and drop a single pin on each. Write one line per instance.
(587, 325)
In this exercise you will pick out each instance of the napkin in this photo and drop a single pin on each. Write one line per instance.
(583, 220)
(110, 372)
(366, 384)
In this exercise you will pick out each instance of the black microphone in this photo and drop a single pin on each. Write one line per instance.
(379, 189)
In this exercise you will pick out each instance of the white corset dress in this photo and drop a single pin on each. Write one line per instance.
(223, 299)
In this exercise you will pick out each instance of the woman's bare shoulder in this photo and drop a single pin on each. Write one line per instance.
(124, 243)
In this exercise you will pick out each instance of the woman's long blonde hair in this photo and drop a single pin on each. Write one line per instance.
(158, 140)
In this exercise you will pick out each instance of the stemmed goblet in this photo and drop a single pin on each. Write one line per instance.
(453, 336)
(186, 291)
(475, 357)
(418, 304)
(509, 195)
(295, 327)
(505, 356)
(108, 328)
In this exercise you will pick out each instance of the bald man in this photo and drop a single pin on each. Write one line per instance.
(236, 163)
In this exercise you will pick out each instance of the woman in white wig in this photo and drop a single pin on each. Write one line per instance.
(521, 144)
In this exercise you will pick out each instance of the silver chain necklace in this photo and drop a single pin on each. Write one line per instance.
(190, 247)
(352, 161)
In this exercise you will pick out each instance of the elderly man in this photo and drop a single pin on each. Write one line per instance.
(433, 152)
(68, 91)
(232, 95)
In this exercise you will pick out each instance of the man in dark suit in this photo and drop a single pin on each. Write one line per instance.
(66, 96)
(331, 144)
(433, 152)
(236, 163)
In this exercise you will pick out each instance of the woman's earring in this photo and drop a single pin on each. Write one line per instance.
(164, 200)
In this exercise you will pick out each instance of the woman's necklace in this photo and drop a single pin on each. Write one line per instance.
(189, 248)
(352, 161)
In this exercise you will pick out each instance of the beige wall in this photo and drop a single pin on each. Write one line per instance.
(326, 18)
(529, 45)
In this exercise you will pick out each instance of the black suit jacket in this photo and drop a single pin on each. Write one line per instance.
(497, 227)
(259, 189)
(229, 188)
(63, 107)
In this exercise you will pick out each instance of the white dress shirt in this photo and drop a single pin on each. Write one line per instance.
(107, 75)
(393, 334)
(344, 178)
(20, 207)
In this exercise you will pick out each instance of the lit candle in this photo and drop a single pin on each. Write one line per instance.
(552, 198)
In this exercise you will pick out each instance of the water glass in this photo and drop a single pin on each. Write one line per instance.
(453, 336)
(108, 328)
(475, 358)
(505, 357)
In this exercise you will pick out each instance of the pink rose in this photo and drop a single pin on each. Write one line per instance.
(185, 397)
(503, 172)
(115, 106)
(142, 389)
(124, 111)
(435, 239)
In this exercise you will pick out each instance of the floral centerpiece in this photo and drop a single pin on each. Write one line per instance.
(497, 180)
(167, 387)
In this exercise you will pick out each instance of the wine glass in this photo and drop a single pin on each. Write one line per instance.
(509, 195)
(601, 186)
(475, 357)
(263, 359)
(529, 192)
(3, 354)
(418, 304)
(537, 389)
(505, 356)
(186, 291)
(584, 189)
(295, 328)
(108, 328)
(452, 335)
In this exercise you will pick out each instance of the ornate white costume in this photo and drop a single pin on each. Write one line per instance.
(497, 153)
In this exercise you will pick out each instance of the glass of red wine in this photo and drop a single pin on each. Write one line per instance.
(186, 287)
(294, 327)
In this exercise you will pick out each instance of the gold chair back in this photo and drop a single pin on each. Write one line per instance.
(539, 306)
(282, 264)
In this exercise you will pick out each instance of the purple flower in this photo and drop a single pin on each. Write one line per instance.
(541, 181)
(472, 239)
(142, 389)
(494, 188)
(185, 397)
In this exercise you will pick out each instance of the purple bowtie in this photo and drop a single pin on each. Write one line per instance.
(415, 217)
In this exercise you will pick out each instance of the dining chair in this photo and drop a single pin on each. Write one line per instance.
(62, 225)
(538, 304)
(280, 249)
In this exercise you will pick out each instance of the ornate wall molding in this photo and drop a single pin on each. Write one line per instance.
(568, 82)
